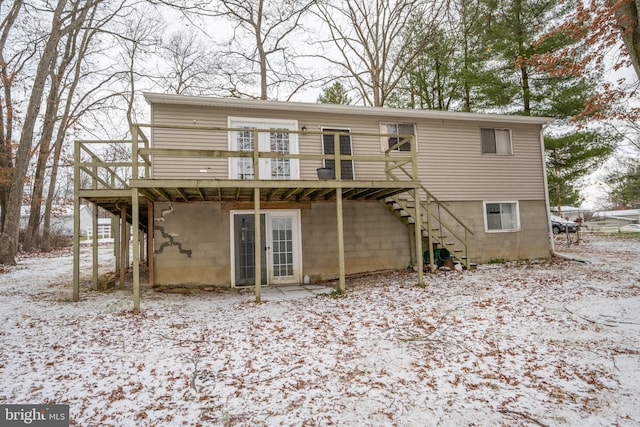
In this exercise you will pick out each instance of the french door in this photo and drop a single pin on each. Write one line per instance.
(280, 251)
(276, 139)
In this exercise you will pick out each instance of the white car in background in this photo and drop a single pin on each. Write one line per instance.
(630, 228)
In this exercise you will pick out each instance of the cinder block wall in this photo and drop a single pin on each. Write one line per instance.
(531, 242)
(374, 239)
(203, 232)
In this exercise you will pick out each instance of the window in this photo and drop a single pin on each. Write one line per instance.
(496, 141)
(398, 129)
(273, 137)
(502, 216)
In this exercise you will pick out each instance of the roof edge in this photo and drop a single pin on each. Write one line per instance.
(160, 98)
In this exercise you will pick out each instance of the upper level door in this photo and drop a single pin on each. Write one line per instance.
(274, 138)
(328, 147)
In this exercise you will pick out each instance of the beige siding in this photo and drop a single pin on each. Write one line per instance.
(451, 164)
(453, 167)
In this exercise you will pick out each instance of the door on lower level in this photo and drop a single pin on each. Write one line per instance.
(280, 259)
(244, 249)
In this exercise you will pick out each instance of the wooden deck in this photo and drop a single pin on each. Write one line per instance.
(128, 191)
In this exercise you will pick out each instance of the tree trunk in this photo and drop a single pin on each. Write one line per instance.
(262, 56)
(33, 228)
(57, 74)
(627, 18)
(6, 110)
(10, 231)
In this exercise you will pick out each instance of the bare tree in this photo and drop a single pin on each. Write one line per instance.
(8, 72)
(139, 38)
(368, 36)
(63, 21)
(67, 75)
(268, 27)
(190, 65)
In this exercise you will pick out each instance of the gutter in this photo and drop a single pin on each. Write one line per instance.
(382, 112)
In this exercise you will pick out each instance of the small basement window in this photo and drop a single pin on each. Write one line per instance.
(496, 141)
(501, 216)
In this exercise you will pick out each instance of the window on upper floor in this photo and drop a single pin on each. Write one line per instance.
(501, 216)
(496, 141)
(400, 129)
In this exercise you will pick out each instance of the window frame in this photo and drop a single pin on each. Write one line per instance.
(263, 142)
(384, 140)
(343, 162)
(495, 141)
(518, 225)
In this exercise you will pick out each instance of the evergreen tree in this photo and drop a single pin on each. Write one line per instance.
(626, 185)
(570, 157)
(334, 94)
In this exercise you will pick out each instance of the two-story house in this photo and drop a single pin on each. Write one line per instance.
(210, 177)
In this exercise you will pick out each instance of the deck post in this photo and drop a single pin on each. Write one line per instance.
(123, 244)
(417, 226)
(432, 258)
(76, 222)
(418, 213)
(115, 234)
(150, 254)
(135, 220)
(257, 246)
(94, 247)
(127, 254)
(135, 211)
(339, 214)
(412, 245)
(94, 227)
(341, 279)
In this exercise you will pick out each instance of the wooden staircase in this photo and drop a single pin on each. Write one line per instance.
(440, 227)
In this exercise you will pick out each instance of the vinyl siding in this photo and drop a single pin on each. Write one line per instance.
(450, 162)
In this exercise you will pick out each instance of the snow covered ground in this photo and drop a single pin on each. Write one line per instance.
(530, 343)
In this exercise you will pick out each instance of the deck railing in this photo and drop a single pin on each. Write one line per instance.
(111, 164)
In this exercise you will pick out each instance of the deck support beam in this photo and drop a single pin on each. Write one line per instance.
(76, 224)
(115, 233)
(150, 232)
(412, 245)
(124, 243)
(135, 213)
(94, 247)
(257, 247)
(341, 270)
(418, 236)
